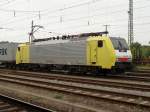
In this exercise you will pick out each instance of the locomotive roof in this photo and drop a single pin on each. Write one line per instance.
(117, 37)
(81, 36)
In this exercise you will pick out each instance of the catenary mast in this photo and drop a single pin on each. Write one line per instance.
(130, 23)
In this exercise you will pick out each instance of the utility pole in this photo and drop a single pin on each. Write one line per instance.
(106, 29)
(130, 23)
(34, 28)
(31, 34)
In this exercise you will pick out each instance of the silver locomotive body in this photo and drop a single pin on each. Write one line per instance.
(65, 52)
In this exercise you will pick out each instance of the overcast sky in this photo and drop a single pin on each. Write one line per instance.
(71, 17)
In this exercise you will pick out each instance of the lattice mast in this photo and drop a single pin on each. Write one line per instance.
(130, 23)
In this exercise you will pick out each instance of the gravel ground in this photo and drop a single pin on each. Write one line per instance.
(141, 93)
(40, 95)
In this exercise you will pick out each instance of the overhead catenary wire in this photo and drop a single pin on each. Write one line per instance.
(23, 11)
(81, 17)
(69, 19)
(85, 17)
(62, 9)
(47, 10)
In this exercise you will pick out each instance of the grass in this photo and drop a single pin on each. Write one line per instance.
(58, 97)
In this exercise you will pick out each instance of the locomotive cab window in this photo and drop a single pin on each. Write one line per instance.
(100, 43)
(18, 48)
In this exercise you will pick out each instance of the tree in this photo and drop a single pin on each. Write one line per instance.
(147, 52)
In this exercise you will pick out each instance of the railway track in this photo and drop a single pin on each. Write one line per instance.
(138, 74)
(8, 104)
(131, 77)
(142, 70)
(113, 82)
(50, 82)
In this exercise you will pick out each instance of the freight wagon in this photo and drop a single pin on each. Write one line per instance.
(8, 52)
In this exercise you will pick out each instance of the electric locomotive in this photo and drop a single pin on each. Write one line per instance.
(83, 53)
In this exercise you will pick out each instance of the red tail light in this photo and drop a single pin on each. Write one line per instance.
(123, 59)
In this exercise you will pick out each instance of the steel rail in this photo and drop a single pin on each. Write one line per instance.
(108, 95)
(9, 104)
(83, 80)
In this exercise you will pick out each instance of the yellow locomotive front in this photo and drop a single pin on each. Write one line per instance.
(100, 52)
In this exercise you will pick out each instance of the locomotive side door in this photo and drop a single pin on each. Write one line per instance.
(22, 55)
(25, 54)
(92, 52)
(18, 58)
